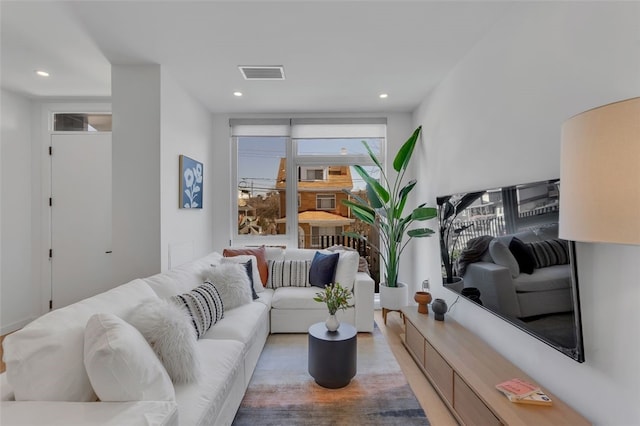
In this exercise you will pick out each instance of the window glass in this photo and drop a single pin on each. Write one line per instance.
(261, 185)
(346, 146)
(78, 122)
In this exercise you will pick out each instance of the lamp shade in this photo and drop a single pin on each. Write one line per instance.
(600, 175)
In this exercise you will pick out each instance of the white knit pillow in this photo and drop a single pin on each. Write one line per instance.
(120, 363)
(232, 283)
(168, 329)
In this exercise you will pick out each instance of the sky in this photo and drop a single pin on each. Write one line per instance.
(259, 157)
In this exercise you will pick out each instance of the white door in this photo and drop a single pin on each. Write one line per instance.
(80, 216)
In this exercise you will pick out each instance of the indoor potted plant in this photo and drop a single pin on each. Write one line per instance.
(336, 297)
(448, 209)
(384, 210)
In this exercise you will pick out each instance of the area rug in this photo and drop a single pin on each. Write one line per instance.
(282, 392)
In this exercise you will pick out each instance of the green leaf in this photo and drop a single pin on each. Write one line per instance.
(404, 193)
(372, 155)
(424, 213)
(420, 232)
(364, 213)
(356, 197)
(406, 151)
(377, 193)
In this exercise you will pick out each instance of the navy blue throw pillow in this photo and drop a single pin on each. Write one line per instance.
(323, 269)
(523, 255)
(248, 266)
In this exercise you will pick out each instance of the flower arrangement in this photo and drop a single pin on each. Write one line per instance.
(335, 296)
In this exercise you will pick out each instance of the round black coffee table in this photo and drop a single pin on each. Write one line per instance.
(332, 355)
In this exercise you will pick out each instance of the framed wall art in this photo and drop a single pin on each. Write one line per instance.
(191, 183)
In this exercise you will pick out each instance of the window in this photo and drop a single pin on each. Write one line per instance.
(314, 174)
(325, 201)
(79, 122)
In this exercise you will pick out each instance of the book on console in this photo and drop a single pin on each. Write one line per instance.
(536, 398)
(517, 388)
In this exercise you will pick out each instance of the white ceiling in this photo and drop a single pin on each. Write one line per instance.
(338, 56)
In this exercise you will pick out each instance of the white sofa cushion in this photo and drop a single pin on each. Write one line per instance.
(241, 324)
(257, 283)
(297, 298)
(200, 402)
(232, 283)
(45, 359)
(501, 255)
(183, 278)
(120, 363)
(347, 267)
(170, 332)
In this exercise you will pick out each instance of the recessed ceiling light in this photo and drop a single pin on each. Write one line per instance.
(42, 73)
(383, 96)
(238, 94)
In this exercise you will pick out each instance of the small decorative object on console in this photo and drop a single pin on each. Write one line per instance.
(439, 307)
(517, 388)
(423, 298)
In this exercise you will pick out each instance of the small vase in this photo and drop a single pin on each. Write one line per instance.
(439, 308)
(332, 323)
(423, 298)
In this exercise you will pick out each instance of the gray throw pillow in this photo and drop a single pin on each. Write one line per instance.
(502, 256)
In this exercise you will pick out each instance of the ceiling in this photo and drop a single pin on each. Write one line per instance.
(338, 56)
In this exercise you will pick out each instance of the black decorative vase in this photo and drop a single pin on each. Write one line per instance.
(439, 308)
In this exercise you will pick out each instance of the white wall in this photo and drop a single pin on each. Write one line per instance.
(187, 129)
(398, 130)
(18, 288)
(135, 91)
(496, 120)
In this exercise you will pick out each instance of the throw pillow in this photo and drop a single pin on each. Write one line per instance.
(523, 255)
(288, 273)
(549, 252)
(260, 255)
(255, 276)
(500, 255)
(363, 265)
(120, 363)
(232, 283)
(169, 330)
(204, 304)
(323, 269)
(347, 267)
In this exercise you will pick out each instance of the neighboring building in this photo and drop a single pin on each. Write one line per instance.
(320, 209)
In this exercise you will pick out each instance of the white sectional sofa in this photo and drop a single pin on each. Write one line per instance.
(46, 382)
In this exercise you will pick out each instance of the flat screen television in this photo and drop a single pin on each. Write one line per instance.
(505, 255)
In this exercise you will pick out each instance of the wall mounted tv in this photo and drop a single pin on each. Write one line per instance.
(505, 255)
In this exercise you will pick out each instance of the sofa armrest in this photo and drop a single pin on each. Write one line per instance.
(57, 413)
(363, 290)
(497, 291)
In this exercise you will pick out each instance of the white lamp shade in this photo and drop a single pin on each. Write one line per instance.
(600, 175)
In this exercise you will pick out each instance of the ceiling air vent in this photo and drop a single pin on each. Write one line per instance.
(273, 72)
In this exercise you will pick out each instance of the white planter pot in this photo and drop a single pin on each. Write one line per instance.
(394, 298)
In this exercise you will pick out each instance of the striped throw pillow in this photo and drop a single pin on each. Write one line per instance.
(204, 305)
(550, 252)
(288, 273)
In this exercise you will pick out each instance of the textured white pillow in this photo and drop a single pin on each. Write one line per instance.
(257, 282)
(347, 267)
(232, 283)
(120, 363)
(502, 256)
(168, 329)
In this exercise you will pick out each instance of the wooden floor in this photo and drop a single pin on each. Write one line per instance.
(435, 409)
(433, 406)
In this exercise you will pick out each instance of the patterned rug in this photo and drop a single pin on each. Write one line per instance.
(282, 392)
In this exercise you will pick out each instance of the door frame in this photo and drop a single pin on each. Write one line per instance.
(44, 129)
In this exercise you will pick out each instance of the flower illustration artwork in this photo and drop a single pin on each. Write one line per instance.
(191, 180)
